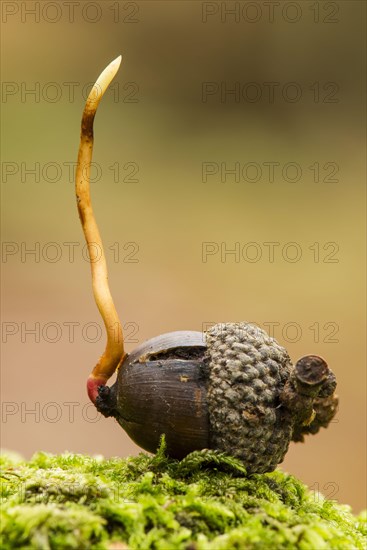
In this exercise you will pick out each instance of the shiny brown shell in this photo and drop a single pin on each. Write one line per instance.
(161, 388)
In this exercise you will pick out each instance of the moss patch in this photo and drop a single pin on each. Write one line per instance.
(206, 501)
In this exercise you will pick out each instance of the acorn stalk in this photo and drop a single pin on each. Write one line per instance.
(114, 352)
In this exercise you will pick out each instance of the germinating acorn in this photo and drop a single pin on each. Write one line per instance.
(232, 388)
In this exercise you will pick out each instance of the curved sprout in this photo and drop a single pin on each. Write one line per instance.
(114, 352)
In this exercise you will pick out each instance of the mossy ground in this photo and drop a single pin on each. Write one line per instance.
(204, 502)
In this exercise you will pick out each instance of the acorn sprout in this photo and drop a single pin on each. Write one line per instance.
(232, 388)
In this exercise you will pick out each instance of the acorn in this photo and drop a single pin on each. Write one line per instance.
(232, 388)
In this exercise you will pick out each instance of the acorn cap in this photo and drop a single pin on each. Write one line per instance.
(247, 372)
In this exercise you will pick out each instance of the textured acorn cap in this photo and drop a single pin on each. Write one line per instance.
(247, 373)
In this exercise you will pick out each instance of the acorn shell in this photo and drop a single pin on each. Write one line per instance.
(161, 388)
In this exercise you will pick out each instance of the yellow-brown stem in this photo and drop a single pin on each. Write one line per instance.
(114, 352)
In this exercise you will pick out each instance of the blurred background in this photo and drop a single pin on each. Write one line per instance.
(228, 185)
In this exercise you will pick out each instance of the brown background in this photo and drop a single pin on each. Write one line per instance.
(168, 52)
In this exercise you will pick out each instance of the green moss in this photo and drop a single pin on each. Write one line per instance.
(204, 502)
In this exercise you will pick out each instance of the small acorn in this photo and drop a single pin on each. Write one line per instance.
(232, 388)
